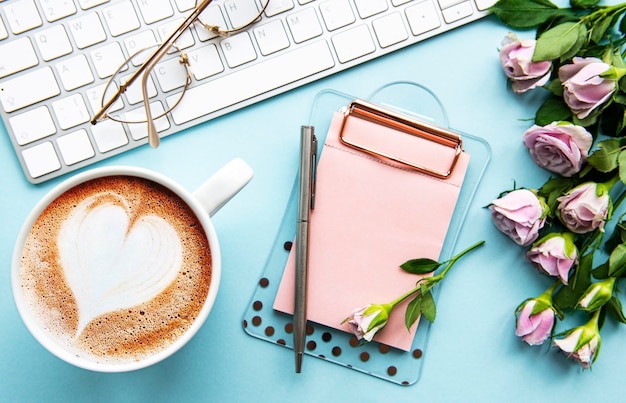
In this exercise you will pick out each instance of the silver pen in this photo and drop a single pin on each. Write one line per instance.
(306, 202)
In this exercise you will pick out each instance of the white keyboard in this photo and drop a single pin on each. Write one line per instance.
(56, 56)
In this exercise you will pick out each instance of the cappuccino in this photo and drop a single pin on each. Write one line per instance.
(116, 269)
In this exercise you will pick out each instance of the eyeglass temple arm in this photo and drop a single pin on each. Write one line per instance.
(151, 61)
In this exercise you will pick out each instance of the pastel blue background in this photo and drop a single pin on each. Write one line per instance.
(472, 355)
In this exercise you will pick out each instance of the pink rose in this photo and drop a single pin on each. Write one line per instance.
(554, 255)
(561, 148)
(584, 208)
(581, 344)
(535, 328)
(584, 88)
(516, 59)
(366, 322)
(520, 215)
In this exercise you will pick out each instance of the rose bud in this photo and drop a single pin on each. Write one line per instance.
(584, 87)
(535, 321)
(554, 255)
(585, 208)
(516, 58)
(519, 214)
(582, 343)
(597, 295)
(561, 148)
(366, 322)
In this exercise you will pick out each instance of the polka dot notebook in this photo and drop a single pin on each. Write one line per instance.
(377, 359)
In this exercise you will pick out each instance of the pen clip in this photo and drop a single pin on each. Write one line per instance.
(313, 169)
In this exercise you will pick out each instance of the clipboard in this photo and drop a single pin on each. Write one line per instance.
(327, 342)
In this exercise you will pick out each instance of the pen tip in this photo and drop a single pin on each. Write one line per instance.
(298, 362)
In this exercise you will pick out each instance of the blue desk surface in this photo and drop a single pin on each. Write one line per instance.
(472, 354)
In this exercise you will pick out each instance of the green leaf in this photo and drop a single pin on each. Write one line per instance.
(413, 311)
(604, 159)
(621, 160)
(615, 307)
(420, 266)
(429, 310)
(581, 40)
(568, 296)
(556, 41)
(601, 272)
(556, 87)
(526, 13)
(617, 260)
(553, 109)
(598, 30)
(583, 3)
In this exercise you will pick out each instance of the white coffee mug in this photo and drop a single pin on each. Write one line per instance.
(143, 274)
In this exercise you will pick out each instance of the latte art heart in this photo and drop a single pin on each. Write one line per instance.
(113, 260)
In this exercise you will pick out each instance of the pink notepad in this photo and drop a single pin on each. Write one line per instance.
(371, 216)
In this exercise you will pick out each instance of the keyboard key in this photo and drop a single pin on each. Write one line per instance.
(212, 16)
(443, 4)
(260, 78)
(170, 74)
(22, 15)
(238, 49)
(41, 159)
(155, 10)
(32, 125)
(70, 111)
(304, 25)
(121, 18)
(138, 42)
(28, 89)
(367, 8)
(87, 30)
(107, 59)
(484, 4)
(53, 42)
(75, 147)
(353, 43)
(184, 5)
(390, 30)
(240, 12)
(139, 131)
(133, 92)
(422, 17)
(87, 4)
(109, 135)
(337, 14)
(16, 56)
(3, 31)
(271, 37)
(94, 98)
(205, 62)
(457, 12)
(184, 41)
(74, 72)
(56, 9)
(276, 7)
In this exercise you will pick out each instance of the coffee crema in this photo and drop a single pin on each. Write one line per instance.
(116, 268)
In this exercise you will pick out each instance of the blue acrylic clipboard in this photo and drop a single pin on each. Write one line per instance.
(329, 344)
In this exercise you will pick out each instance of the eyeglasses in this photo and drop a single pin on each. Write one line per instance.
(119, 82)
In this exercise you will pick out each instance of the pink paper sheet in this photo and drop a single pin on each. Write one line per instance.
(369, 218)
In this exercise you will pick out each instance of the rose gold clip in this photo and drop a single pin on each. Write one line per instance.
(376, 114)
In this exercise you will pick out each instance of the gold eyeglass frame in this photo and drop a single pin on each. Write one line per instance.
(148, 65)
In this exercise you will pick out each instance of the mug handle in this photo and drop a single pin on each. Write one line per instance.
(223, 185)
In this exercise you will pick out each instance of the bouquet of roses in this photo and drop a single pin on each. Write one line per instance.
(579, 134)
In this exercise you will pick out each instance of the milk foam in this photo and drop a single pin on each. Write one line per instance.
(111, 263)
(151, 269)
